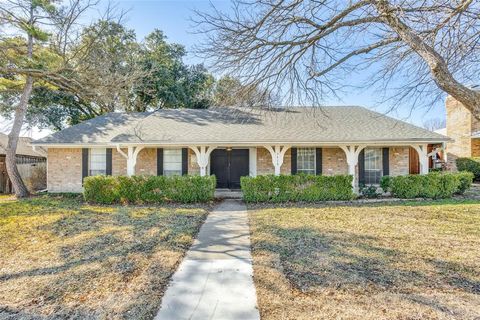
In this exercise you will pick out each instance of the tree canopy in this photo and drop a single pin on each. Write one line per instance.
(123, 73)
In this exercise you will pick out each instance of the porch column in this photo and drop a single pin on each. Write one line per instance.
(131, 156)
(444, 147)
(277, 152)
(203, 155)
(352, 153)
(422, 157)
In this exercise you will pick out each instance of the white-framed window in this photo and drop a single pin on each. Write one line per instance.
(373, 165)
(97, 161)
(306, 160)
(172, 162)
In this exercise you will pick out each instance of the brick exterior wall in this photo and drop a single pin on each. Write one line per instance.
(64, 170)
(334, 161)
(399, 160)
(265, 165)
(193, 167)
(65, 165)
(476, 147)
(119, 163)
(460, 126)
(146, 162)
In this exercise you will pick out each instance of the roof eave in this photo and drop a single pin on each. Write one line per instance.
(244, 143)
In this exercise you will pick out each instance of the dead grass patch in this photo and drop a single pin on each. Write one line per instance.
(397, 261)
(62, 259)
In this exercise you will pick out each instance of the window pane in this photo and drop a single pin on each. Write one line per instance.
(306, 160)
(98, 161)
(172, 162)
(373, 165)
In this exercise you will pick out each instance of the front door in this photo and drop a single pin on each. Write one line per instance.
(414, 162)
(228, 166)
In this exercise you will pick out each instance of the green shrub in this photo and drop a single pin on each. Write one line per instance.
(301, 187)
(369, 192)
(434, 185)
(100, 189)
(149, 189)
(385, 183)
(471, 165)
(130, 188)
(466, 179)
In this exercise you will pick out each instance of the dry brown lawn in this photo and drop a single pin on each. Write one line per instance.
(62, 259)
(402, 261)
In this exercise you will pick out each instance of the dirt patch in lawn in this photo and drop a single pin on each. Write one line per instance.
(61, 258)
(403, 261)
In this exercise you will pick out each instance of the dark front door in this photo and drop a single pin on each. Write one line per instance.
(219, 167)
(229, 166)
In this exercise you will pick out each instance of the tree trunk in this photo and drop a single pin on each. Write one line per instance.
(470, 98)
(10, 160)
(18, 186)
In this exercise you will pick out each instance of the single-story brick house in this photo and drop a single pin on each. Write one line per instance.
(233, 142)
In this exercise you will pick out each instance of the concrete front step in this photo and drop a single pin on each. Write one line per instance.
(228, 194)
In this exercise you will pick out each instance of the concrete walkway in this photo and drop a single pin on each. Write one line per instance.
(214, 281)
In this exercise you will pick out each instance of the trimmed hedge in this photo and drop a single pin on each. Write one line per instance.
(469, 164)
(466, 179)
(435, 185)
(385, 183)
(301, 187)
(148, 189)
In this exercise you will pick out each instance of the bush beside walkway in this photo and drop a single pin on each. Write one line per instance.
(301, 187)
(149, 189)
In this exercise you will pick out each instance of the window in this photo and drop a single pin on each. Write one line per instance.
(373, 165)
(172, 162)
(306, 160)
(98, 161)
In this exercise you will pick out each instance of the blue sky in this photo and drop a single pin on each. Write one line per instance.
(173, 18)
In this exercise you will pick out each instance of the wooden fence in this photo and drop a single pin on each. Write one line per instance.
(33, 174)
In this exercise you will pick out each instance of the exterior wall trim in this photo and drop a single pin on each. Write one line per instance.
(252, 159)
(384, 143)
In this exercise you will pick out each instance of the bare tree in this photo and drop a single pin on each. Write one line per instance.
(43, 45)
(229, 91)
(434, 124)
(414, 50)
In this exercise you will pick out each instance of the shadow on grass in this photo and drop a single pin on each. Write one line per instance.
(147, 234)
(134, 250)
(377, 203)
(313, 260)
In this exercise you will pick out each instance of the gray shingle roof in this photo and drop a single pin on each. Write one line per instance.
(23, 146)
(235, 125)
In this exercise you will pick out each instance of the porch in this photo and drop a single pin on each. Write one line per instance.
(67, 167)
(365, 162)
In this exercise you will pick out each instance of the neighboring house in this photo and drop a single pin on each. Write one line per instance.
(231, 142)
(27, 159)
(464, 129)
